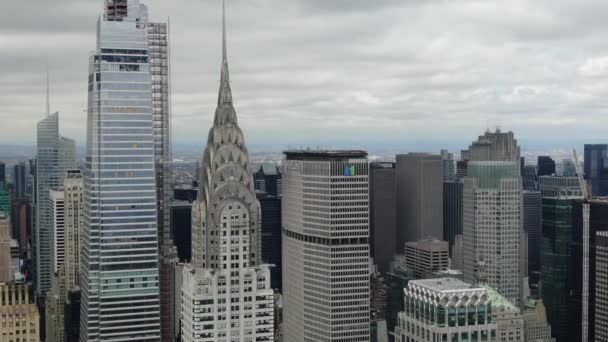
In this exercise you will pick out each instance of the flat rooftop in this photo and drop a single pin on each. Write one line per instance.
(444, 284)
(324, 154)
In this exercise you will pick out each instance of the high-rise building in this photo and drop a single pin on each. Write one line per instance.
(271, 236)
(5, 251)
(72, 315)
(559, 186)
(56, 231)
(21, 321)
(446, 309)
(427, 256)
(596, 168)
(529, 178)
(567, 168)
(55, 155)
(226, 286)
(2, 174)
(601, 287)
(536, 327)
(268, 179)
(382, 214)
(447, 161)
(452, 212)
(532, 218)
(22, 221)
(325, 243)
(419, 179)
(181, 229)
(507, 317)
(492, 220)
(20, 180)
(120, 253)
(66, 276)
(5, 200)
(545, 166)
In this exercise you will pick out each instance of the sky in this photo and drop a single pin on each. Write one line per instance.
(335, 72)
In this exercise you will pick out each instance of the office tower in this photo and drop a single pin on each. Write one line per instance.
(22, 218)
(445, 309)
(545, 166)
(19, 313)
(492, 221)
(68, 207)
(419, 179)
(3, 174)
(20, 180)
(452, 212)
(507, 317)
(532, 217)
(55, 155)
(559, 186)
(568, 168)
(461, 169)
(447, 162)
(185, 193)
(601, 287)
(226, 286)
(56, 231)
(158, 52)
(529, 178)
(72, 315)
(268, 179)
(271, 236)
(536, 327)
(181, 229)
(596, 168)
(5, 252)
(427, 256)
(326, 225)
(120, 258)
(5, 201)
(397, 279)
(382, 214)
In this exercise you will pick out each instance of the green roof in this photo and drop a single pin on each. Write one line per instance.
(498, 300)
(269, 168)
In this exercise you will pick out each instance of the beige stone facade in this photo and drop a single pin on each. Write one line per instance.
(18, 314)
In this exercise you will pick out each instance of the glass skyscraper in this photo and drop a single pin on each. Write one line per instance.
(120, 267)
(596, 168)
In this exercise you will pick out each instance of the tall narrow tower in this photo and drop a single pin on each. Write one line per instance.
(225, 286)
(120, 259)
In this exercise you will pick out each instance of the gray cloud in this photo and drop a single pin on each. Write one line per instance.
(311, 70)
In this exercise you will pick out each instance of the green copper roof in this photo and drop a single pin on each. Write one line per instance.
(498, 300)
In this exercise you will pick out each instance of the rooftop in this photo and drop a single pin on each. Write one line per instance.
(444, 284)
(498, 300)
(324, 154)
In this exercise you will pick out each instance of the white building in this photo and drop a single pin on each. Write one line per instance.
(445, 310)
(226, 293)
(57, 228)
(326, 267)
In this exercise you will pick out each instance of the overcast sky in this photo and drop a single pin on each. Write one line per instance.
(320, 71)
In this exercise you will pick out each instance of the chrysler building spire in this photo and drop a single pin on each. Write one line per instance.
(225, 94)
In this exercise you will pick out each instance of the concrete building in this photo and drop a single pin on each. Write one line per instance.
(601, 287)
(536, 326)
(382, 214)
(5, 250)
(20, 318)
(226, 291)
(446, 309)
(57, 228)
(427, 256)
(493, 237)
(326, 266)
(419, 180)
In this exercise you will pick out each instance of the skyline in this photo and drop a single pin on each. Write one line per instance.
(448, 72)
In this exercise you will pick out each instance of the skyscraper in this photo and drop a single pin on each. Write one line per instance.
(56, 231)
(492, 223)
(427, 256)
(268, 179)
(545, 166)
(382, 214)
(54, 155)
(452, 211)
(532, 218)
(419, 178)
(120, 259)
(20, 180)
(326, 272)
(271, 236)
(447, 160)
(559, 186)
(529, 178)
(601, 287)
(226, 286)
(2, 174)
(596, 168)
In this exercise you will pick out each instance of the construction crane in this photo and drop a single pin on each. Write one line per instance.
(586, 211)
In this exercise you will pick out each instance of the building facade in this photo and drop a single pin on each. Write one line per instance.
(556, 186)
(21, 321)
(120, 258)
(271, 237)
(445, 309)
(19, 180)
(536, 326)
(427, 256)
(452, 212)
(326, 271)
(419, 186)
(268, 179)
(601, 287)
(532, 221)
(226, 293)
(54, 155)
(449, 171)
(545, 166)
(492, 220)
(57, 228)
(382, 214)
(596, 168)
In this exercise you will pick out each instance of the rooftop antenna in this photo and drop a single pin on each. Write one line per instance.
(48, 101)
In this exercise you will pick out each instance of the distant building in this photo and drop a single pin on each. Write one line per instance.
(461, 169)
(185, 193)
(268, 179)
(427, 256)
(447, 159)
(57, 228)
(72, 315)
(20, 180)
(556, 186)
(532, 217)
(545, 166)
(596, 168)
(601, 287)
(6, 274)
(536, 327)
(271, 236)
(382, 214)
(21, 321)
(22, 223)
(419, 180)
(446, 309)
(568, 168)
(529, 178)
(3, 182)
(452, 212)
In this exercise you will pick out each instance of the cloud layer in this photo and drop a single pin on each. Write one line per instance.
(317, 71)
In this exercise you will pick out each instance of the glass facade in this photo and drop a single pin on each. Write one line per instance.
(119, 272)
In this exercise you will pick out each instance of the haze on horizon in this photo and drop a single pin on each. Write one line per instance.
(317, 72)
